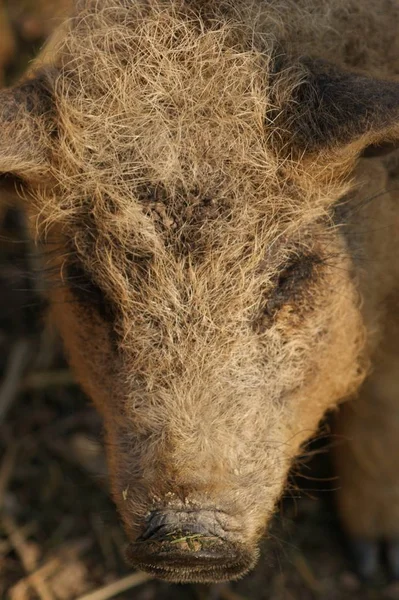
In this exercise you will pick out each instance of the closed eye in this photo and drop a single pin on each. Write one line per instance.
(292, 277)
(289, 286)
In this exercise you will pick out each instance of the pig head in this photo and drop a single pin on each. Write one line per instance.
(180, 174)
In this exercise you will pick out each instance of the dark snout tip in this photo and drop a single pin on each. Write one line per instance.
(194, 553)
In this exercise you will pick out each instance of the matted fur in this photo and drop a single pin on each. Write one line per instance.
(167, 182)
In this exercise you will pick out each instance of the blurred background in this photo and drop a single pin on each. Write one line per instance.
(59, 533)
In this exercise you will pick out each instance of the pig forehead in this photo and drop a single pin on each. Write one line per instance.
(161, 99)
(146, 214)
(143, 219)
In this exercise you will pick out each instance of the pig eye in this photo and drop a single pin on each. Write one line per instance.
(290, 283)
(87, 292)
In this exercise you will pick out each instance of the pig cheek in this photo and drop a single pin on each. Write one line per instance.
(343, 364)
(128, 491)
(87, 345)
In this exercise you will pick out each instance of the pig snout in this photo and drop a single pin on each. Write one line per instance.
(190, 546)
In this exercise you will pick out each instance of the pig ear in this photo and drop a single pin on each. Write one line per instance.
(26, 124)
(332, 109)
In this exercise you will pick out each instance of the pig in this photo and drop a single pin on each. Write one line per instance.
(214, 186)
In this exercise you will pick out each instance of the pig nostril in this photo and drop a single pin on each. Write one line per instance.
(158, 532)
(166, 526)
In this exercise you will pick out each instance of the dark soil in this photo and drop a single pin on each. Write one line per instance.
(59, 533)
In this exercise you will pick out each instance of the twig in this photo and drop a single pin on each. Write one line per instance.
(306, 573)
(21, 547)
(75, 548)
(65, 553)
(21, 587)
(6, 469)
(26, 531)
(40, 380)
(16, 364)
(105, 542)
(117, 587)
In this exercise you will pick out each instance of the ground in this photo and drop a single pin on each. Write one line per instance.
(59, 534)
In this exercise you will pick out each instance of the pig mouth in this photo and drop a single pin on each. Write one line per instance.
(193, 560)
(197, 551)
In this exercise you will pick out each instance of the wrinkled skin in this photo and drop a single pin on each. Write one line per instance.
(185, 178)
